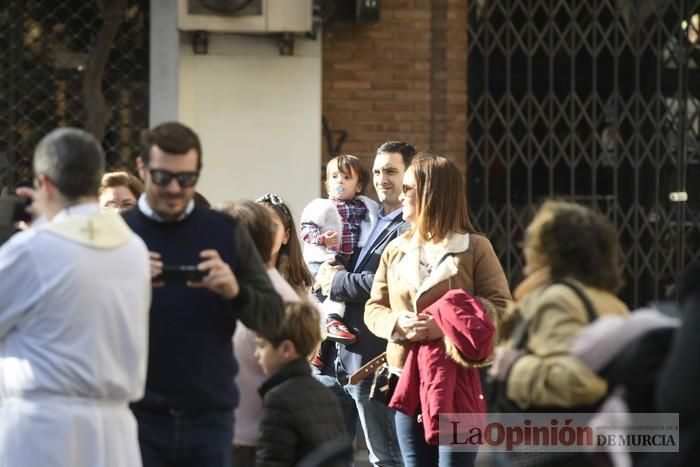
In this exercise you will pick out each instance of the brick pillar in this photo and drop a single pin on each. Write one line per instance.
(438, 77)
(456, 77)
(403, 78)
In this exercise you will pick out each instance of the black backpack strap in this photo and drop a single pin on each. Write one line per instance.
(590, 310)
(520, 333)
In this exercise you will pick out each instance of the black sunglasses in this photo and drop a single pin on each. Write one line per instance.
(163, 178)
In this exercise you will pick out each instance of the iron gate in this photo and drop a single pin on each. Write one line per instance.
(71, 63)
(595, 101)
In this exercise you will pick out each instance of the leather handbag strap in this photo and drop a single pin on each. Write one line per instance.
(590, 310)
(367, 369)
(520, 334)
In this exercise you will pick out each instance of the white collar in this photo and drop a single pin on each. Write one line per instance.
(151, 214)
(86, 225)
(409, 264)
(80, 209)
(453, 243)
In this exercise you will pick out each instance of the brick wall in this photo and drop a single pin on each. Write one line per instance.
(403, 78)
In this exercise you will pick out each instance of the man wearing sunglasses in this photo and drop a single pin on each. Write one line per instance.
(351, 283)
(186, 415)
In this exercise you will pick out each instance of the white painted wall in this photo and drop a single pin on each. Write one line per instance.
(258, 115)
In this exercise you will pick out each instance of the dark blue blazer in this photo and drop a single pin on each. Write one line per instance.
(353, 287)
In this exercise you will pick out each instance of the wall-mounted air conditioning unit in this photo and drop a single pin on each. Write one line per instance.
(245, 16)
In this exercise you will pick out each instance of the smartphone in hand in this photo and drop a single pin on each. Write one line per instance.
(180, 273)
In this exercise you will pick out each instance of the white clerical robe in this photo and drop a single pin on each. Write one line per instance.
(74, 300)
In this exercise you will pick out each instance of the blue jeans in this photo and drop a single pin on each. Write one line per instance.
(185, 439)
(377, 419)
(418, 453)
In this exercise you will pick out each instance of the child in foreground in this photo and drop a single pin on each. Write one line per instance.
(299, 413)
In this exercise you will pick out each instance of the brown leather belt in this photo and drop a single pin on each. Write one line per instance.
(367, 369)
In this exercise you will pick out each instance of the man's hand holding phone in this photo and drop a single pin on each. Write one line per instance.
(156, 269)
(212, 273)
(162, 273)
(219, 278)
(182, 273)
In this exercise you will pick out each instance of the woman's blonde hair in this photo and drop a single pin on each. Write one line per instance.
(115, 179)
(441, 198)
(572, 240)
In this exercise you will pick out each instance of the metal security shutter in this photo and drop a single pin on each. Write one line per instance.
(595, 101)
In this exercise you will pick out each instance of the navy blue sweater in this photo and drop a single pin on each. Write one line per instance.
(191, 365)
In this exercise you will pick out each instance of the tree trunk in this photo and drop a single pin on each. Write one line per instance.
(97, 111)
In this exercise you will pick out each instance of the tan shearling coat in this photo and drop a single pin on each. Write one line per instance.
(548, 376)
(474, 267)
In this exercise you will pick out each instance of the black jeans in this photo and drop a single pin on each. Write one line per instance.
(171, 438)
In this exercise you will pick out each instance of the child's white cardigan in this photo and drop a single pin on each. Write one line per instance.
(323, 213)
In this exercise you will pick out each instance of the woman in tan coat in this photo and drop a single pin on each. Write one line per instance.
(441, 251)
(569, 242)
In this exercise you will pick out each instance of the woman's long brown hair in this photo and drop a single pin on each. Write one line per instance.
(441, 198)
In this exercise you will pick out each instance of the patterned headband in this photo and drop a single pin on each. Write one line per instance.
(278, 202)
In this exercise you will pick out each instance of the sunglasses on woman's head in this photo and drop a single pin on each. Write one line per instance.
(163, 178)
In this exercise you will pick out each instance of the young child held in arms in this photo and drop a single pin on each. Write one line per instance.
(334, 228)
(299, 413)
